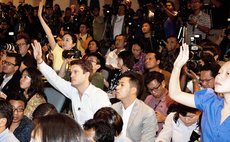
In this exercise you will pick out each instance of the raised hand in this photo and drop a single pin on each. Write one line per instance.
(37, 51)
(183, 56)
(41, 4)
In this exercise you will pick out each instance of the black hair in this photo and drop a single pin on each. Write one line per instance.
(17, 96)
(150, 76)
(103, 131)
(18, 58)
(136, 80)
(212, 67)
(6, 111)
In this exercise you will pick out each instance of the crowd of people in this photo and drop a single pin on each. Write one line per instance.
(159, 73)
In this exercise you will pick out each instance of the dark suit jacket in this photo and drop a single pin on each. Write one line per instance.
(13, 84)
(142, 124)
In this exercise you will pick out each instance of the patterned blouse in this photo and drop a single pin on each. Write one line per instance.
(32, 104)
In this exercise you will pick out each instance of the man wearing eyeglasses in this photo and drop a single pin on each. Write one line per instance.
(21, 125)
(10, 79)
(6, 117)
(23, 43)
(158, 98)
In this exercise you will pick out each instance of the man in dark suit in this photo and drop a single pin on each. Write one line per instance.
(10, 80)
(140, 123)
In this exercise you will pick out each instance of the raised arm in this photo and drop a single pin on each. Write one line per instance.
(46, 28)
(175, 91)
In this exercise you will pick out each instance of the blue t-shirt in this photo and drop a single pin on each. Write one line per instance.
(211, 105)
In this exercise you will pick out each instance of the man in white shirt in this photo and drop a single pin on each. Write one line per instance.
(140, 123)
(86, 98)
(111, 57)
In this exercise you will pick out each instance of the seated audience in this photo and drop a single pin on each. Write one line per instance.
(109, 115)
(32, 84)
(158, 98)
(21, 125)
(215, 112)
(140, 123)
(43, 110)
(181, 126)
(57, 127)
(9, 81)
(97, 130)
(6, 118)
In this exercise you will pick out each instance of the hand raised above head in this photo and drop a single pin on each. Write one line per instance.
(183, 56)
(41, 4)
(37, 51)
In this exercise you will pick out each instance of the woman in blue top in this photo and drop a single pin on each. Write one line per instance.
(215, 121)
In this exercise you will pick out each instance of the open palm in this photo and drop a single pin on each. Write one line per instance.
(183, 56)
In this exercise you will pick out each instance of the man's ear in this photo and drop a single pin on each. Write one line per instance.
(163, 84)
(158, 62)
(98, 66)
(3, 122)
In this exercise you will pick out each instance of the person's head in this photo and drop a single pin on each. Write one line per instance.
(222, 79)
(18, 102)
(93, 46)
(137, 49)
(69, 41)
(6, 114)
(109, 115)
(68, 12)
(121, 10)
(155, 83)
(187, 115)
(172, 43)
(31, 81)
(120, 41)
(23, 42)
(96, 130)
(170, 5)
(80, 70)
(43, 110)
(73, 9)
(57, 127)
(98, 62)
(208, 72)
(11, 63)
(125, 59)
(146, 27)
(130, 86)
(83, 28)
(152, 60)
(49, 11)
(196, 4)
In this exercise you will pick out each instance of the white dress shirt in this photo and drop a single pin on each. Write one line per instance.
(83, 109)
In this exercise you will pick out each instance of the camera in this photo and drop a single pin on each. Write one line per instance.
(195, 55)
(195, 136)
(71, 53)
(8, 47)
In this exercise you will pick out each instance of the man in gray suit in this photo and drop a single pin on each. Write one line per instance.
(140, 123)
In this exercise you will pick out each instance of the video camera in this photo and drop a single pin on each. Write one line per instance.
(195, 55)
(71, 53)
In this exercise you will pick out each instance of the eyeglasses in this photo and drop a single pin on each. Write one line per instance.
(205, 80)
(92, 61)
(8, 63)
(154, 88)
(21, 44)
(18, 109)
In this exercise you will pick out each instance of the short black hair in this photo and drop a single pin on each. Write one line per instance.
(212, 67)
(17, 96)
(18, 58)
(6, 111)
(150, 76)
(103, 131)
(136, 79)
